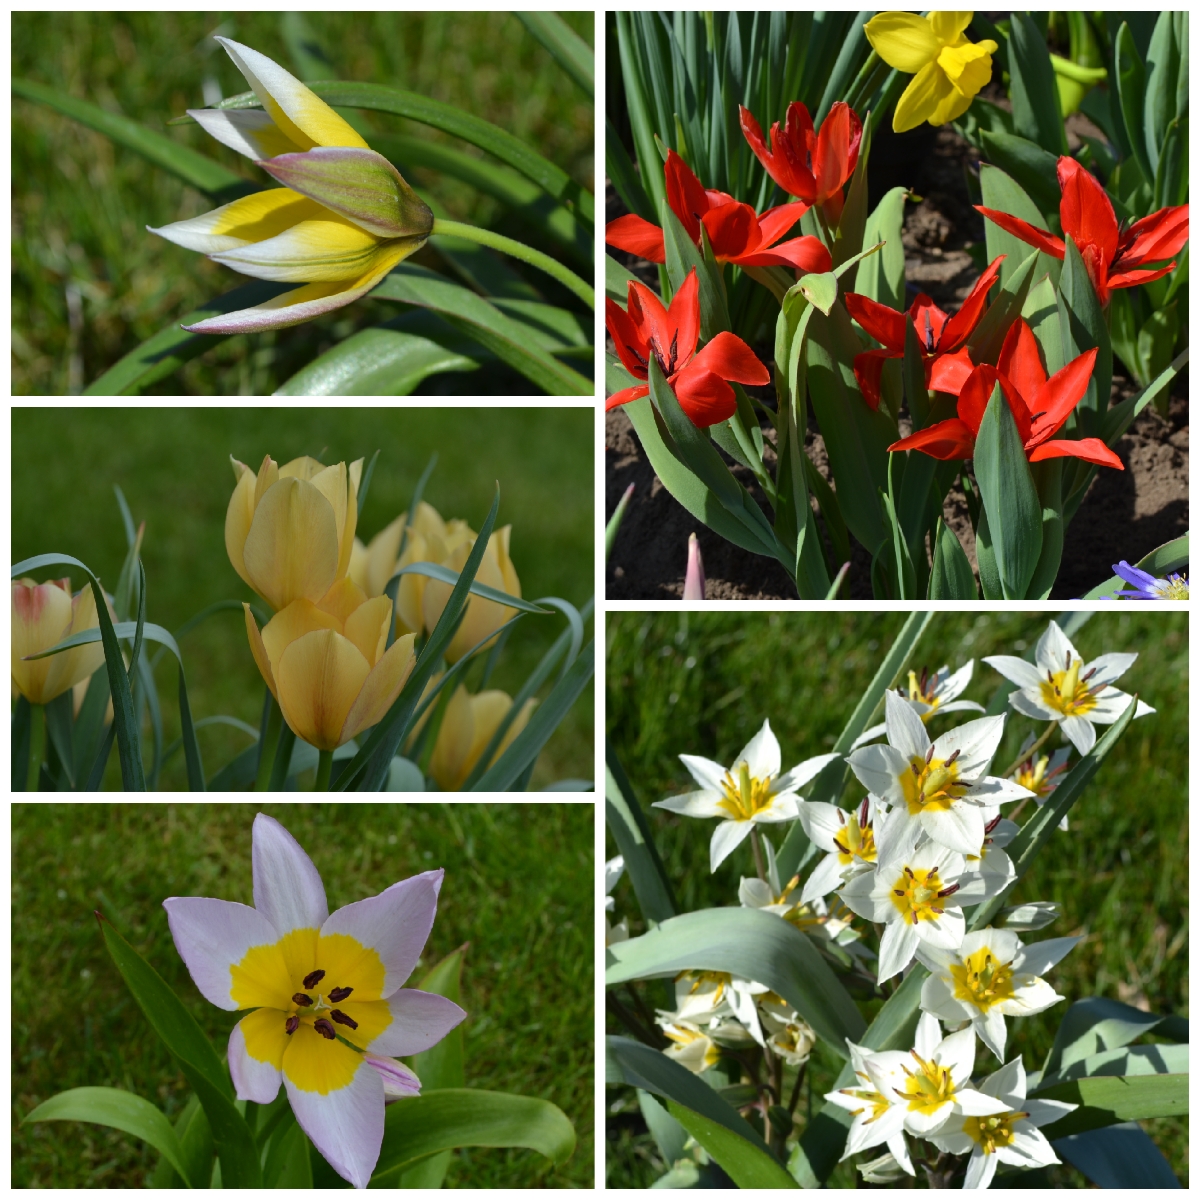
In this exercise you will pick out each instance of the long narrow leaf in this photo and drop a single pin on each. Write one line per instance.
(566, 47)
(627, 823)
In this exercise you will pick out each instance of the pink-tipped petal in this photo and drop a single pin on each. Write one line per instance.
(252, 1079)
(399, 1081)
(287, 887)
(419, 1020)
(345, 1125)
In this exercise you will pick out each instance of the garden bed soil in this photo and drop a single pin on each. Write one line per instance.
(1125, 514)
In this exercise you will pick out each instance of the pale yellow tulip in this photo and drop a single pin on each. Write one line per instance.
(44, 614)
(467, 726)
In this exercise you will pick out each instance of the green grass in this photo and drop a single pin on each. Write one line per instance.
(704, 683)
(173, 466)
(518, 889)
(81, 205)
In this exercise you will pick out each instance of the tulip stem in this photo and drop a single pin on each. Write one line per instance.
(37, 747)
(535, 258)
(266, 753)
(324, 770)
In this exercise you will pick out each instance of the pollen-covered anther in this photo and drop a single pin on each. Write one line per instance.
(291, 1025)
(313, 978)
(341, 1018)
(302, 1000)
(325, 1029)
(339, 994)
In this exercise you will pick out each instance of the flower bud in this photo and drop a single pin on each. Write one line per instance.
(44, 614)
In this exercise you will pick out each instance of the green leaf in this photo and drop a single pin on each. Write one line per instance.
(566, 47)
(624, 175)
(420, 1126)
(1162, 80)
(201, 172)
(486, 324)
(446, 575)
(683, 256)
(951, 577)
(616, 280)
(1118, 418)
(1131, 96)
(1171, 176)
(1093, 1026)
(1034, 94)
(119, 1110)
(881, 277)
(1047, 477)
(1083, 326)
(987, 339)
(1010, 499)
(21, 735)
(1119, 1156)
(1111, 1099)
(627, 823)
(754, 945)
(196, 1147)
(1032, 167)
(1158, 1059)
(1001, 192)
(746, 1166)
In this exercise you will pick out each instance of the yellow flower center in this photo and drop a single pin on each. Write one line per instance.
(923, 691)
(990, 1132)
(982, 981)
(855, 840)
(744, 796)
(1032, 776)
(928, 1088)
(931, 785)
(683, 1037)
(720, 979)
(1066, 692)
(917, 895)
(871, 1099)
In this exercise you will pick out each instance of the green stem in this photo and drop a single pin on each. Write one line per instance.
(324, 770)
(37, 746)
(535, 258)
(1029, 754)
(266, 753)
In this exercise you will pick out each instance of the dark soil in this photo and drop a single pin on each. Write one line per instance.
(1125, 514)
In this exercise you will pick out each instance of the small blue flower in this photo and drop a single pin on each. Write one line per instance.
(1147, 587)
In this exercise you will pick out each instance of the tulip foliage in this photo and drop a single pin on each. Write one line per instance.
(772, 264)
(376, 659)
(328, 218)
(876, 939)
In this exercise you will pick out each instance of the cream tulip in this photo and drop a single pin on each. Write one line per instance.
(468, 725)
(289, 531)
(44, 614)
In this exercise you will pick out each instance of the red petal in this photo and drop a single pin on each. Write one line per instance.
(728, 356)
(884, 324)
(684, 318)
(627, 339)
(945, 440)
(625, 395)
(1056, 399)
(1021, 361)
(685, 194)
(803, 253)
(1089, 449)
(775, 222)
(706, 398)
(868, 371)
(1030, 234)
(648, 315)
(636, 236)
(795, 146)
(732, 230)
(977, 391)
(929, 321)
(948, 372)
(1085, 210)
(962, 324)
(777, 164)
(831, 162)
(1124, 279)
(1160, 235)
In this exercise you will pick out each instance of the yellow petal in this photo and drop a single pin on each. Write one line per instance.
(261, 657)
(927, 89)
(320, 676)
(903, 40)
(455, 737)
(482, 617)
(358, 566)
(292, 623)
(947, 26)
(313, 1064)
(950, 107)
(255, 218)
(291, 550)
(304, 468)
(326, 248)
(238, 516)
(367, 627)
(268, 476)
(265, 1034)
(488, 709)
(342, 599)
(381, 556)
(410, 595)
(968, 67)
(382, 687)
(428, 521)
(68, 668)
(350, 524)
(41, 615)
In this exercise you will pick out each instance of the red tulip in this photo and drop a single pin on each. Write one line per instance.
(942, 338)
(813, 166)
(738, 234)
(670, 335)
(1039, 406)
(1114, 259)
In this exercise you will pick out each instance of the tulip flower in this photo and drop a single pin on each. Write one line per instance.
(329, 1009)
(1113, 258)
(44, 614)
(467, 727)
(329, 666)
(289, 530)
(811, 166)
(929, 696)
(942, 339)
(871, 1101)
(343, 219)
(737, 233)
(690, 1047)
(1040, 406)
(670, 335)
(481, 617)
(948, 70)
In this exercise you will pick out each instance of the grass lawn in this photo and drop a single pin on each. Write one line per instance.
(173, 466)
(518, 889)
(90, 284)
(704, 683)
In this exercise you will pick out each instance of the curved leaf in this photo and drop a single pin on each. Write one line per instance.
(566, 47)
(1034, 94)
(754, 945)
(746, 1166)
(1110, 1099)
(1093, 1025)
(951, 577)
(446, 575)
(447, 1118)
(1120, 1156)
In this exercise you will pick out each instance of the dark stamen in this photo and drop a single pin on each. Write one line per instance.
(341, 1018)
(674, 352)
(291, 1025)
(862, 813)
(324, 1028)
(313, 978)
(301, 999)
(916, 770)
(898, 891)
(1084, 678)
(339, 994)
(929, 754)
(636, 355)
(949, 891)
(991, 825)
(953, 757)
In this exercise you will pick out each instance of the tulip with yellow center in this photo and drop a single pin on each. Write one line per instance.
(468, 725)
(329, 666)
(289, 530)
(947, 69)
(44, 614)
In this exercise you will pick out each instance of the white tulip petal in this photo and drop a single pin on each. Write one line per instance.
(823, 880)
(1054, 649)
(981, 1170)
(708, 774)
(249, 131)
(726, 838)
(992, 1030)
(905, 730)
(1038, 958)
(960, 827)
(976, 744)
(287, 887)
(878, 768)
(1030, 704)
(761, 754)
(800, 774)
(869, 735)
(960, 706)
(896, 947)
(693, 804)
(1016, 670)
(1081, 733)
(978, 1104)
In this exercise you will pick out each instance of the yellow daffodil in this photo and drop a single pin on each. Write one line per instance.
(289, 530)
(44, 614)
(343, 220)
(947, 69)
(329, 666)
(467, 726)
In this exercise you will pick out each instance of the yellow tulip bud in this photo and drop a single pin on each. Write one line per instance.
(467, 726)
(328, 666)
(289, 531)
(44, 614)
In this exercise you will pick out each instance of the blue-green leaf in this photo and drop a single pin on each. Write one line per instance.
(627, 823)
